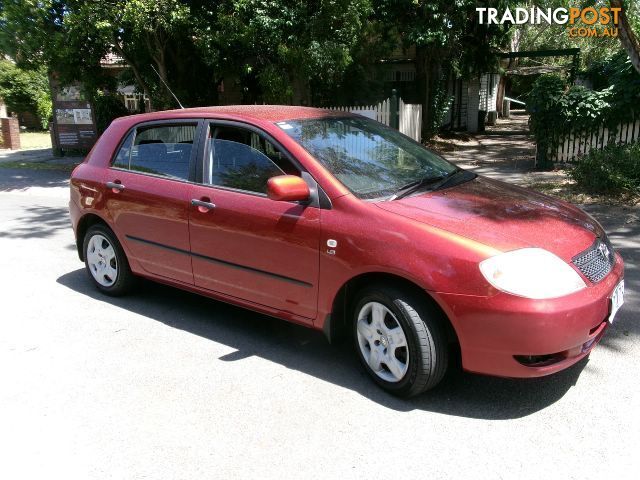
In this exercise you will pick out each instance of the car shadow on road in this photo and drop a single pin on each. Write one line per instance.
(299, 348)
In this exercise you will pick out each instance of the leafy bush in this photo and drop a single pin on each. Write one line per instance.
(614, 170)
(556, 108)
(44, 109)
(542, 102)
(26, 91)
(617, 71)
(106, 108)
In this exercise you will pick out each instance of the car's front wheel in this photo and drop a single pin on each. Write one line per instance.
(106, 261)
(400, 340)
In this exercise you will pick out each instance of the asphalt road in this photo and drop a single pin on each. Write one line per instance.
(166, 384)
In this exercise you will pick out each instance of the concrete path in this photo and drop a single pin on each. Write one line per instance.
(505, 151)
(40, 155)
(33, 155)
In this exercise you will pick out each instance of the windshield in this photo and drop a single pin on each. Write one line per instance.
(370, 159)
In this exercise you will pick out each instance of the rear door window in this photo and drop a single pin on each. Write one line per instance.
(163, 150)
(121, 160)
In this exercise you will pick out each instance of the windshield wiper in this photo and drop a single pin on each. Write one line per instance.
(433, 182)
(455, 175)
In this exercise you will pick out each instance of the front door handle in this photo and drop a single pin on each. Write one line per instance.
(115, 186)
(202, 205)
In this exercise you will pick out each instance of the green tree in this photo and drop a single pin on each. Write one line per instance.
(281, 51)
(71, 38)
(555, 36)
(628, 19)
(25, 91)
(284, 51)
(448, 39)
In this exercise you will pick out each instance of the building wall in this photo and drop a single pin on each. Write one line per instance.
(468, 98)
(456, 116)
(489, 91)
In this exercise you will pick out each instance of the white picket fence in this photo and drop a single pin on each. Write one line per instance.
(570, 146)
(409, 115)
(380, 111)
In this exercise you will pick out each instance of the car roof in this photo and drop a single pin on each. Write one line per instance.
(270, 113)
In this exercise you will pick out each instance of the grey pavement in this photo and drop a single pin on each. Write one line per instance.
(36, 155)
(31, 155)
(165, 384)
(505, 151)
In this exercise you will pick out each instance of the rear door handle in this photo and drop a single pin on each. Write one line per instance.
(202, 205)
(115, 185)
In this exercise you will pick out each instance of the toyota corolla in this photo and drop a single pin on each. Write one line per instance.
(339, 223)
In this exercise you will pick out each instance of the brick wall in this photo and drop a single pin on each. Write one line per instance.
(10, 133)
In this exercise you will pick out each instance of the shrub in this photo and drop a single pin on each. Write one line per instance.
(26, 91)
(614, 170)
(106, 108)
(557, 109)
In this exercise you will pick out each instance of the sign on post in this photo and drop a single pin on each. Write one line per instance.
(73, 120)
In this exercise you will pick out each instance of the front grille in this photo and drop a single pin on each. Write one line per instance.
(597, 260)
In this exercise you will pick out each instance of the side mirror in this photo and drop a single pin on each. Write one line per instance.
(287, 188)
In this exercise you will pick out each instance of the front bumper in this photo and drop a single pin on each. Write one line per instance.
(510, 336)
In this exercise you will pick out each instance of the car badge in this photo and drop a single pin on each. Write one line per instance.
(332, 244)
(604, 251)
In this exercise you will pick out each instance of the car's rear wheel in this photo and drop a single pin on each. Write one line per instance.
(106, 262)
(400, 340)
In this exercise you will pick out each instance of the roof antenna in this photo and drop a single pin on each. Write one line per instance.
(165, 84)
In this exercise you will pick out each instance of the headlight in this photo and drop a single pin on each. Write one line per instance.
(532, 273)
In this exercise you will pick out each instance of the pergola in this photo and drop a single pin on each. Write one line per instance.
(562, 52)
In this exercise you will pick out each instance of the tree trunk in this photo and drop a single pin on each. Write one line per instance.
(627, 37)
(422, 85)
(157, 51)
(429, 82)
(301, 92)
(501, 94)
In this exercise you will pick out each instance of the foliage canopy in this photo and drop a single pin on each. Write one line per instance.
(25, 91)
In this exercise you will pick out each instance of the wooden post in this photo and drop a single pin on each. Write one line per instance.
(394, 120)
(506, 108)
(55, 144)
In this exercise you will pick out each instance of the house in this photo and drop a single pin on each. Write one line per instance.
(472, 100)
(133, 100)
(469, 97)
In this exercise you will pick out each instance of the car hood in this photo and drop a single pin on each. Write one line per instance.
(502, 216)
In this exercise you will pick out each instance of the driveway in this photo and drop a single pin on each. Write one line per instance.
(166, 384)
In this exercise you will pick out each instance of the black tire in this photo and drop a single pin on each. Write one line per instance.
(423, 326)
(125, 280)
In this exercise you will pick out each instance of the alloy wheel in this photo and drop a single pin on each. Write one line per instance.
(101, 258)
(382, 342)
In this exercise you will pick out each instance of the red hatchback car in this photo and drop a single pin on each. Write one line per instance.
(336, 222)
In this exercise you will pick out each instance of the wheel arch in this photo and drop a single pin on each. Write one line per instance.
(336, 324)
(87, 220)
